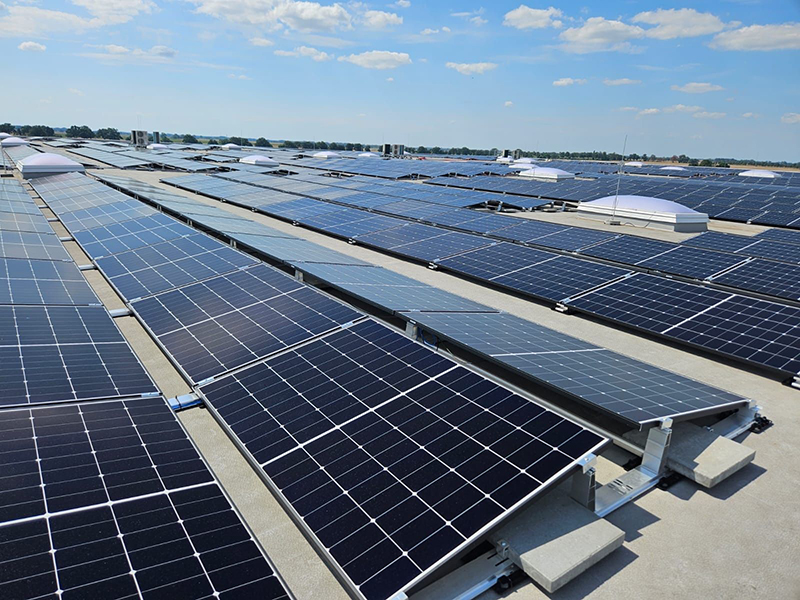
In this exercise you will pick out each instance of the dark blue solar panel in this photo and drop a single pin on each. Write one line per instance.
(393, 457)
(106, 214)
(130, 235)
(692, 262)
(628, 249)
(43, 246)
(112, 500)
(60, 353)
(229, 321)
(571, 239)
(780, 235)
(43, 282)
(153, 269)
(765, 277)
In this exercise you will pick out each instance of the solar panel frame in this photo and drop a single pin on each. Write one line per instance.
(41, 246)
(280, 469)
(130, 235)
(25, 221)
(44, 282)
(692, 262)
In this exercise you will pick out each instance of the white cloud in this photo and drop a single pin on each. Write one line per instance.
(402, 3)
(473, 16)
(239, 77)
(31, 47)
(750, 115)
(708, 115)
(378, 59)
(678, 23)
(785, 36)
(429, 31)
(114, 12)
(115, 49)
(525, 17)
(649, 111)
(790, 118)
(306, 52)
(18, 20)
(390, 79)
(471, 68)
(565, 81)
(682, 108)
(378, 19)
(298, 15)
(628, 108)
(261, 42)
(600, 35)
(696, 87)
(508, 104)
(446, 29)
(478, 21)
(75, 91)
(622, 81)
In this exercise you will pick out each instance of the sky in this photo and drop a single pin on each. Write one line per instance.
(706, 79)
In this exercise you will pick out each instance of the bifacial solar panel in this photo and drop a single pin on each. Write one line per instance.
(43, 282)
(389, 290)
(622, 387)
(765, 277)
(130, 235)
(226, 322)
(62, 353)
(22, 244)
(628, 249)
(153, 269)
(112, 500)
(692, 262)
(761, 332)
(392, 457)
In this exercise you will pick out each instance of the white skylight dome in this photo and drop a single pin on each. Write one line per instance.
(4, 135)
(547, 173)
(634, 163)
(260, 160)
(157, 146)
(46, 163)
(231, 147)
(7, 142)
(504, 159)
(672, 169)
(760, 173)
(525, 160)
(368, 155)
(326, 154)
(655, 212)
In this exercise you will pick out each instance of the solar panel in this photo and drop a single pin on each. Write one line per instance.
(692, 262)
(747, 246)
(20, 221)
(43, 282)
(392, 457)
(628, 249)
(627, 389)
(765, 277)
(760, 332)
(99, 216)
(153, 269)
(62, 353)
(21, 206)
(780, 235)
(295, 250)
(112, 500)
(115, 159)
(44, 246)
(389, 290)
(130, 235)
(229, 321)
(572, 239)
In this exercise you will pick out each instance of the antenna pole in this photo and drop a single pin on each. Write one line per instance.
(619, 180)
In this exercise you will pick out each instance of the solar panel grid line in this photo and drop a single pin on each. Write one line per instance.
(162, 521)
(384, 578)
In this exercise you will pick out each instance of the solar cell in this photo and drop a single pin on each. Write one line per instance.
(62, 353)
(627, 389)
(106, 214)
(393, 457)
(390, 290)
(229, 321)
(20, 221)
(572, 239)
(43, 282)
(760, 332)
(295, 250)
(153, 269)
(765, 277)
(780, 235)
(112, 500)
(628, 249)
(747, 246)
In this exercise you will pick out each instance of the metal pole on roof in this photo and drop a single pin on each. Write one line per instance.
(614, 220)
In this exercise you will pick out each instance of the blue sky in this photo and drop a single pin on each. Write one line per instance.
(704, 79)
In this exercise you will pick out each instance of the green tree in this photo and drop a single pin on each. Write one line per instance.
(6, 128)
(321, 146)
(108, 133)
(190, 139)
(422, 150)
(262, 142)
(79, 131)
(239, 141)
(358, 147)
(436, 150)
(37, 130)
(706, 163)
(212, 142)
(693, 162)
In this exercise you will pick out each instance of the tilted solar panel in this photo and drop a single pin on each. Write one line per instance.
(43, 282)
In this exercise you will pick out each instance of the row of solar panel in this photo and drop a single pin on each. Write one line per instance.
(400, 295)
(555, 278)
(429, 244)
(344, 386)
